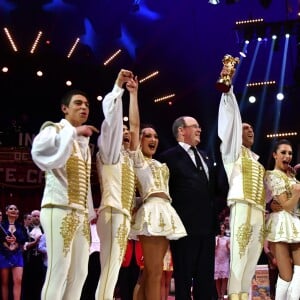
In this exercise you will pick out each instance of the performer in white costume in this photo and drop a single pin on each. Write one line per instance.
(245, 196)
(283, 227)
(117, 181)
(156, 221)
(62, 151)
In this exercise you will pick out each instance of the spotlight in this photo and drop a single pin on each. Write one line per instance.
(243, 54)
(214, 2)
(280, 96)
(252, 99)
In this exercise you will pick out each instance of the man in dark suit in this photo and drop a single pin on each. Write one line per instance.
(192, 190)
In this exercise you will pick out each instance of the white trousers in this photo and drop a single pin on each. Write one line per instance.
(246, 243)
(67, 242)
(113, 229)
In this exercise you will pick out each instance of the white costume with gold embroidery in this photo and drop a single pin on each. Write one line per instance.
(156, 216)
(67, 207)
(245, 197)
(282, 226)
(116, 175)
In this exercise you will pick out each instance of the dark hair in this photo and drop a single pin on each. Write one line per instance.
(276, 145)
(146, 125)
(66, 99)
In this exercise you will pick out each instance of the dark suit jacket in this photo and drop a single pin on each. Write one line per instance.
(193, 196)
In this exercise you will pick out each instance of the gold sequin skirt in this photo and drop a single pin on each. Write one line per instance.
(157, 217)
(283, 227)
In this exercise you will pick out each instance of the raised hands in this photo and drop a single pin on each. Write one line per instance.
(124, 76)
(132, 85)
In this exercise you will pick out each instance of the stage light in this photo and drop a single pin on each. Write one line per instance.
(112, 57)
(252, 99)
(261, 83)
(164, 98)
(214, 2)
(99, 98)
(281, 135)
(73, 47)
(10, 39)
(68, 82)
(125, 119)
(39, 73)
(36, 41)
(149, 76)
(280, 96)
(5, 69)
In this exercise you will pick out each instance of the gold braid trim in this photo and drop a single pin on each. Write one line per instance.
(128, 184)
(122, 237)
(253, 175)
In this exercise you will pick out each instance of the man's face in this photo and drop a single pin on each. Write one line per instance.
(35, 217)
(248, 135)
(126, 137)
(191, 131)
(77, 111)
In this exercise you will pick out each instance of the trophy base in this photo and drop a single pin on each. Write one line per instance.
(223, 87)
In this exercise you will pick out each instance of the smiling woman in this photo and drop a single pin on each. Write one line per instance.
(283, 226)
(11, 252)
(155, 210)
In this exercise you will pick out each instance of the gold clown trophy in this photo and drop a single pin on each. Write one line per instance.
(224, 82)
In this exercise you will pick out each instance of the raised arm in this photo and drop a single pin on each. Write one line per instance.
(229, 126)
(110, 139)
(134, 116)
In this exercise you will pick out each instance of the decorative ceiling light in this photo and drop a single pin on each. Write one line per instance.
(73, 47)
(149, 76)
(112, 57)
(36, 41)
(10, 39)
(164, 98)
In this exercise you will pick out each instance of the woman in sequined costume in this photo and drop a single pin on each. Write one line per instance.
(12, 239)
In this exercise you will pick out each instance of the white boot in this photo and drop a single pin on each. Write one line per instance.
(281, 289)
(294, 288)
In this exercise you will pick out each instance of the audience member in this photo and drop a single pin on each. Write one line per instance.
(62, 151)
(34, 271)
(117, 181)
(156, 221)
(192, 188)
(27, 222)
(42, 248)
(222, 259)
(283, 227)
(245, 198)
(12, 240)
